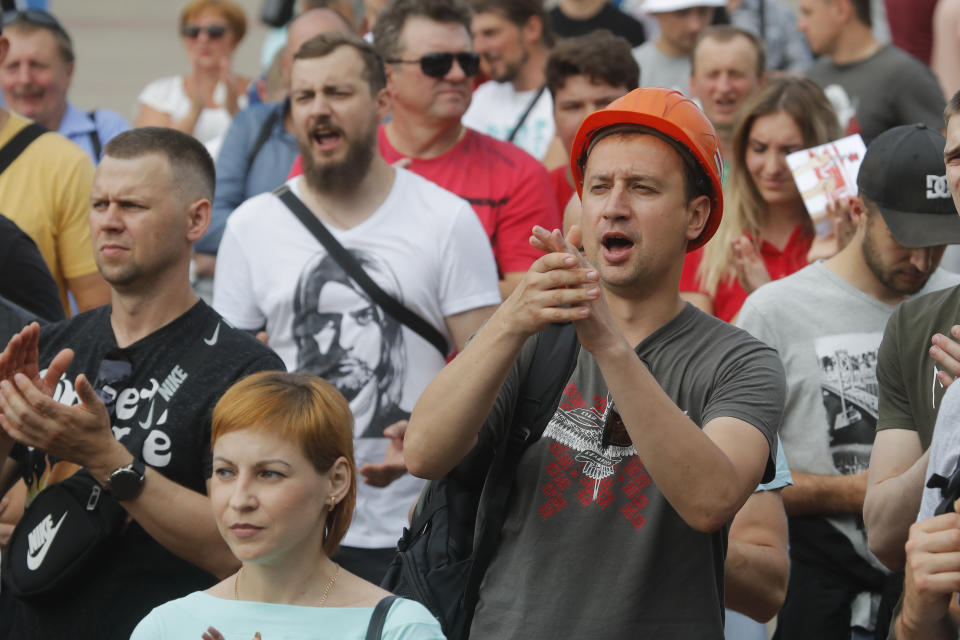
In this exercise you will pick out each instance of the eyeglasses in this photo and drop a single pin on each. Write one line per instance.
(37, 18)
(214, 31)
(437, 65)
(113, 373)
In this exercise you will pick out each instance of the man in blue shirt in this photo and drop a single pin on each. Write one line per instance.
(36, 76)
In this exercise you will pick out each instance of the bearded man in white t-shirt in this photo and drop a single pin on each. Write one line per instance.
(419, 243)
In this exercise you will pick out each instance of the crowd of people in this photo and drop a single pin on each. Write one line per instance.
(244, 332)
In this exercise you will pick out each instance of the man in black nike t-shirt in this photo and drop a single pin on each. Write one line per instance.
(133, 404)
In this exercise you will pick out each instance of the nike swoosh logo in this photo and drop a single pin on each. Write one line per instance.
(146, 424)
(34, 561)
(212, 340)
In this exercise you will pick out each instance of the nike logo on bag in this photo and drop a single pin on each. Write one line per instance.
(40, 540)
(212, 340)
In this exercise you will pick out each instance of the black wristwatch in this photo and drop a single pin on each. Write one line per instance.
(126, 482)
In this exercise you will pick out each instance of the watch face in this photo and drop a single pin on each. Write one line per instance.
(125, 483)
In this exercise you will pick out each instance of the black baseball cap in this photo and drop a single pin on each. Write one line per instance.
(903, 173)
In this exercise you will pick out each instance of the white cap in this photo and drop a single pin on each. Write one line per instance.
(663, 6)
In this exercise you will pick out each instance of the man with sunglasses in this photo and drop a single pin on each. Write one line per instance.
(126, 391)
(36, 76)
(430, 74)
(617, 524)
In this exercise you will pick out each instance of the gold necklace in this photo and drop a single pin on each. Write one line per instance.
(323, 598)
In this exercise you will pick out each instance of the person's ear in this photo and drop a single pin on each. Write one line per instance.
(533, 30)
(4, 48)
(340, 478)
(383, 104)
(198, 219)
(698, 213)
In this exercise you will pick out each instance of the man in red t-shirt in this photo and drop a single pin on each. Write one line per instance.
(585, 74)
(430, 72)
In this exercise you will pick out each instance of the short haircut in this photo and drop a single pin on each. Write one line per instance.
(191, 166)
(324, 44)
(343, 8)
(861, 9)
(303, 409)
(232, 13)
(518, 12)
(390, 22)
(27, 22)
(727, 33)
(952, 108)
(600, 55)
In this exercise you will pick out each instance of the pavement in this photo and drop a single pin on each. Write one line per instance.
(122, 45)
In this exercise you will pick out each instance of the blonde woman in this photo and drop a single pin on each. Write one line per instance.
(766, 232)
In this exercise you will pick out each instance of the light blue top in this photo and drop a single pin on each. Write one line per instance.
(190, 616)
(783, 478)
(77, 125)
(237, 178)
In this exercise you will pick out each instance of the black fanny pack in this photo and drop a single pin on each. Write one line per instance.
(68, 525)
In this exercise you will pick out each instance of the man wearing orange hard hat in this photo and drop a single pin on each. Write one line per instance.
(667, 420)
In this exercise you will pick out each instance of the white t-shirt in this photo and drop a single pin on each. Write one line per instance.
(657, 69)
(496, 108)
(425, 246)
(168, 95)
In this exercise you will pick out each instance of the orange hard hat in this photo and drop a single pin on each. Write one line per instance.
(672, 114)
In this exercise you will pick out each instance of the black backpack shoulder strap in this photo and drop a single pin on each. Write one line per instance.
(18, 143)
(379, 618)
(262, 136)
(95, 136)
(349, 264)
(541, 388)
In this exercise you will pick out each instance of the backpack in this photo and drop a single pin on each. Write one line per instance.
(442, 557)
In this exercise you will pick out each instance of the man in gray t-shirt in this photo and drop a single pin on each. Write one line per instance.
(618, 522)
(872, 86)
(826, 322)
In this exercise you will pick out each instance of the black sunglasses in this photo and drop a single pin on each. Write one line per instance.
(214, 31)
(437, 65)
(35, 17)
(114, 371)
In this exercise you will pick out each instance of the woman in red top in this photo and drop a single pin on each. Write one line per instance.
(766, 232)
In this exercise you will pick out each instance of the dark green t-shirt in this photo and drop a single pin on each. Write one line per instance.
(591, 549)
(910, 393)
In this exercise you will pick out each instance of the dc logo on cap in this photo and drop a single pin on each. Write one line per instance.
(937, 187)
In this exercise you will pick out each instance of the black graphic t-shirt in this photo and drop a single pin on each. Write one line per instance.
(590, 547)
(172, 436)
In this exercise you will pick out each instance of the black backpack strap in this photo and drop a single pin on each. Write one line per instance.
(349, 264)
(262, 136)
(379, 618)
(551, 366)
(18, 143)
(95, 136)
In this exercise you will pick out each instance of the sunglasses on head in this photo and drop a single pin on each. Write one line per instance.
(214, 31)
(437, 65)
